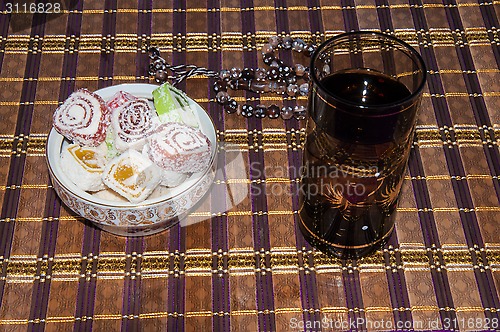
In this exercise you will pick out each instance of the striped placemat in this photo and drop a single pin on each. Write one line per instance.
(244, 266)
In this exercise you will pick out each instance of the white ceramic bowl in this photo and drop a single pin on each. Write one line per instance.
(124, 218)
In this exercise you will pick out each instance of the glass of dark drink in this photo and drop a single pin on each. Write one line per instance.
(366, 89)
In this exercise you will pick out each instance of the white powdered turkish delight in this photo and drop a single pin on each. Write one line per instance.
(132, 176)
(84, 166)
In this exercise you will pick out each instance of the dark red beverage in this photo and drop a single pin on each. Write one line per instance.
(355, 155)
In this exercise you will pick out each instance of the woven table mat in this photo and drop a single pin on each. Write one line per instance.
(247, 268)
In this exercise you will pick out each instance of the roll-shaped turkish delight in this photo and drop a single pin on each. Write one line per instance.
(131, 123)
(132, 176)
(82, 118)
(168, 178)
(179, 148)
(84, 166)
(118, 99)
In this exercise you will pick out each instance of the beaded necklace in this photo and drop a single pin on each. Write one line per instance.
(278, 78)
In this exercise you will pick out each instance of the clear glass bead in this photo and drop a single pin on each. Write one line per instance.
(304, 89)
(299, 112)
(267, 49)
(287, 42)
(286, 112)
(298, 45)
(299, 69)
(274, 41)
(222, 97)
(292, 90)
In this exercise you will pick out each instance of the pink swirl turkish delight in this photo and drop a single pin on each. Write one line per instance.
(179, 148)
(132, 122)
(119, 98)
(82, 118)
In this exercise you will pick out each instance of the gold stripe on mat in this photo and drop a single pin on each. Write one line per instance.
(202, 42)
(283, 260)
(250, 312)
(258, 8)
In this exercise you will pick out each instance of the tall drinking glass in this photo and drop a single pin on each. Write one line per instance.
(366, 89)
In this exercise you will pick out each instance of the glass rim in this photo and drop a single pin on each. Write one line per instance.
(420, 62)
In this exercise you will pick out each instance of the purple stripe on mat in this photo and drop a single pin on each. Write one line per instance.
(315, 19)
(220, 282)
(396, 280)
(352, 284)
(177, 234)
(17, 162)
(308, 286)
(486, 284)
(47, 247)
(144, 30)
(265, 293)
(92, 235)
(131, 305)
(4, 31)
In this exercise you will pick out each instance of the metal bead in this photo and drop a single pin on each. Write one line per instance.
(274, 41)
(267, 49)
(235, 73)
(260, 111)
(248, 74)
(304, 89)
(310, 49)
(220, 86)
(160, 76)
(260, 74)
(285, 71)
(299, 69)
(154, 52)
(247, 110)
(298, 45)
(291, 79)
(273, 74)
(273, 112)
(159, 64)
(268, 58)
(222, 97)
(224, 75)
(286, 112)
(299, 112)
(287, 42)
(231, 106)
(292, 90)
